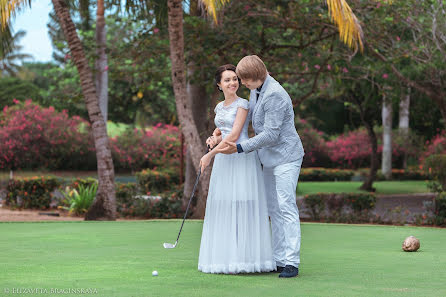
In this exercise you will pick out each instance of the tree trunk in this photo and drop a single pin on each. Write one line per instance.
(197, 100)
(195, 146)
(404, 121)
(101, 62)
(386, 165)
(104, 205)
(368, 183)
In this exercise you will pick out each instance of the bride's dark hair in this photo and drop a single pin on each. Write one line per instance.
(222, 69)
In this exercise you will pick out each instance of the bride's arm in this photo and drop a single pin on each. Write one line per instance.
(239, 122)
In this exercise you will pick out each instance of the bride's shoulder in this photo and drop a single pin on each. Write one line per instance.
(242, 103)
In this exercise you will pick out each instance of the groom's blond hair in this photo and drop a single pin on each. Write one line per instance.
(251, 67)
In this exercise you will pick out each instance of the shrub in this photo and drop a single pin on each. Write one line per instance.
(129, 203)
(157, 180)
(340, 207)
(31, 192)
(353, 150)
(435, 166)
(440, 209)
(84, 182)
(402, 174)
(316, 150)
(14, 88)
(324, 174)
(316, 204)
(35, 137)
(138, 148)
(434, 147)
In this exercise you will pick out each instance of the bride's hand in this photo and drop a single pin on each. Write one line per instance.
(211, 142)
(216, 132)
(204, 162)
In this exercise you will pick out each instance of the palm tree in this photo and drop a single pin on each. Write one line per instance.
(10, 52)
(184, 110)
(104, 206)
(340, 12)
(101, 61)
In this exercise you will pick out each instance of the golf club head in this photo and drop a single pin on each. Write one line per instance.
(169, 245)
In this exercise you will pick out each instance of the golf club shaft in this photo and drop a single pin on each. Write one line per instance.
(190, 199)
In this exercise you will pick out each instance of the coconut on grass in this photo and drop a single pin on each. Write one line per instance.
(411, 244)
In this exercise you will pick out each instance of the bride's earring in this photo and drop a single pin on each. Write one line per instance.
(220, 89)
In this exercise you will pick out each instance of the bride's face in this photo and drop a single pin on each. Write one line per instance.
(229, 82)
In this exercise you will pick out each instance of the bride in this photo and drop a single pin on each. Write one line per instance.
(236, 232)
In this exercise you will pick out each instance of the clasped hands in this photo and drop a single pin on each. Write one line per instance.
(221, 146)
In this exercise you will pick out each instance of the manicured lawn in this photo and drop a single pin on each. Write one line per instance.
(382, 187)
(117, 259)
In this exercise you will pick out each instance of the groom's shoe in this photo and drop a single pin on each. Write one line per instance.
(289, 271)
(279, 269)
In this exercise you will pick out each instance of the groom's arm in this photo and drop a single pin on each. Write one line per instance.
(274, 108)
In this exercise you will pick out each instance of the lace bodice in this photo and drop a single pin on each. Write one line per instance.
(225, 117)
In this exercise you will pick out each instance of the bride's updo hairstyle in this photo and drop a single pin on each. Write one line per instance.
(222, 69)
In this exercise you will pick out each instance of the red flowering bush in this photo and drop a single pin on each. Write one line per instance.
(353, 150)
(35, 137)
(139, 149)
(316, 150)
(437, 146)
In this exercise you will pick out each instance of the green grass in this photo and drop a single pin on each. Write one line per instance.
(382, 187)
(117, 259)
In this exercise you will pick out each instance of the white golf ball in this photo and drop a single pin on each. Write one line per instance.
(154, 273)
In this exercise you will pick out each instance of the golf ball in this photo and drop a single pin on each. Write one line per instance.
(154, 273)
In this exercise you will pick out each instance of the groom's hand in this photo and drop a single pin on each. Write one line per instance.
(228, 148)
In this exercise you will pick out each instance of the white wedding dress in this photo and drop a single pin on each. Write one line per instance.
(236, 235)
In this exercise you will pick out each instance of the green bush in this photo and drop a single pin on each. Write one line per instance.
(435, 166)
(32, 192)
(157, 180)
(340, 207)
(325, 174)
(131, 203)
(13, 88)
(401, 174)
(316, 204)
(440, 209)
(84, 182)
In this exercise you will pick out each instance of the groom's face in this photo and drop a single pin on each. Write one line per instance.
(251, 84)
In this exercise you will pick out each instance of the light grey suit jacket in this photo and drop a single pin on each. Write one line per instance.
(276, 140)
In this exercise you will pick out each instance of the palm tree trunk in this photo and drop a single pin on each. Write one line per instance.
(386, 165)
(104, 205)
(101, 62)
(403, 125)
(195, 146)
(198, 103)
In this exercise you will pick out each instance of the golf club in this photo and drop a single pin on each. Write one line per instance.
(169, 245)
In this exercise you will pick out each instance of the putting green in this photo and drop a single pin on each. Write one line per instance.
(117, 259)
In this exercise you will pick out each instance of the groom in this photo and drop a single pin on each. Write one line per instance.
(281, 152)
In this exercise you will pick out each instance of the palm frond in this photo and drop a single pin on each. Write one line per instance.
(350, 30)
(6, 41)
(9, 8)
(212, 6)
